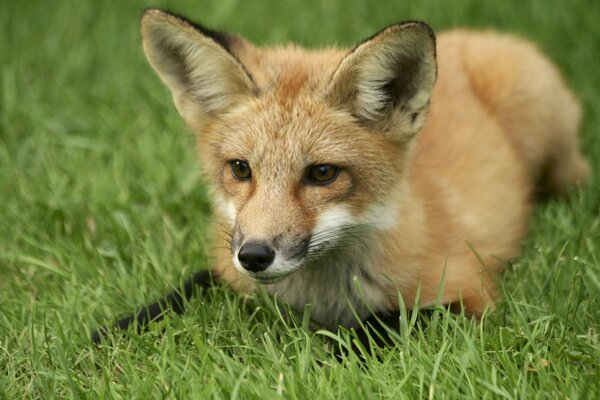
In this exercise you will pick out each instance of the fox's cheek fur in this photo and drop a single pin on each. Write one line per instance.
(227, 209)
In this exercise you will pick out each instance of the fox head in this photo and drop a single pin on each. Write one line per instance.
(305, 150)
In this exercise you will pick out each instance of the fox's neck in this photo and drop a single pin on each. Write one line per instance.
(339, 289)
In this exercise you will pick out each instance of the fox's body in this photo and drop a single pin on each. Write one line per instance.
(424, 202)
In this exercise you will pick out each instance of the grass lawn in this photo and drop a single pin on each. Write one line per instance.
(102, 210)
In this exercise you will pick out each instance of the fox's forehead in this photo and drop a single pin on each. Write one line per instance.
(290, 70)
(299, 132)
(289, 119)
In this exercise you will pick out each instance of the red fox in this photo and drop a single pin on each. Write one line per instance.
(344, 178)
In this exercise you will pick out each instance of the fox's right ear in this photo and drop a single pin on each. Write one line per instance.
(196, 64)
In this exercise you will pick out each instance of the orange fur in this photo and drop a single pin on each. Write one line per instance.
(450, 205)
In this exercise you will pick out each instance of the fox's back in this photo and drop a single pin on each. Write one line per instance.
(500, 115)
(466, 163)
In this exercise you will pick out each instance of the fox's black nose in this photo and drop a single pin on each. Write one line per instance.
(255, 256)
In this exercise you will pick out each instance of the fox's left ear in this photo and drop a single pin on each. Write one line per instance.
(386, 81)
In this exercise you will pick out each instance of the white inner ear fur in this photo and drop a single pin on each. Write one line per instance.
(202, 76)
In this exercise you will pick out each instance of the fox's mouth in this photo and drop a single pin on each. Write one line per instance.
(270, 277)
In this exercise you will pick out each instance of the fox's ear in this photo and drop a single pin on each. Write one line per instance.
(386, 81)
(197, 64)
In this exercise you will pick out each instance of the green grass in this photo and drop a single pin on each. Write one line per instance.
(101, 210)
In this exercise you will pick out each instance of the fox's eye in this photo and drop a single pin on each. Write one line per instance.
(322, 174)
(240, 170)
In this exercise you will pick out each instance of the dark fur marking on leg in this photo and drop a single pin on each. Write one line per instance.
(174, 301)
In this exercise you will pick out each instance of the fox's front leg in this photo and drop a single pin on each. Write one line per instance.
(174, 301)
